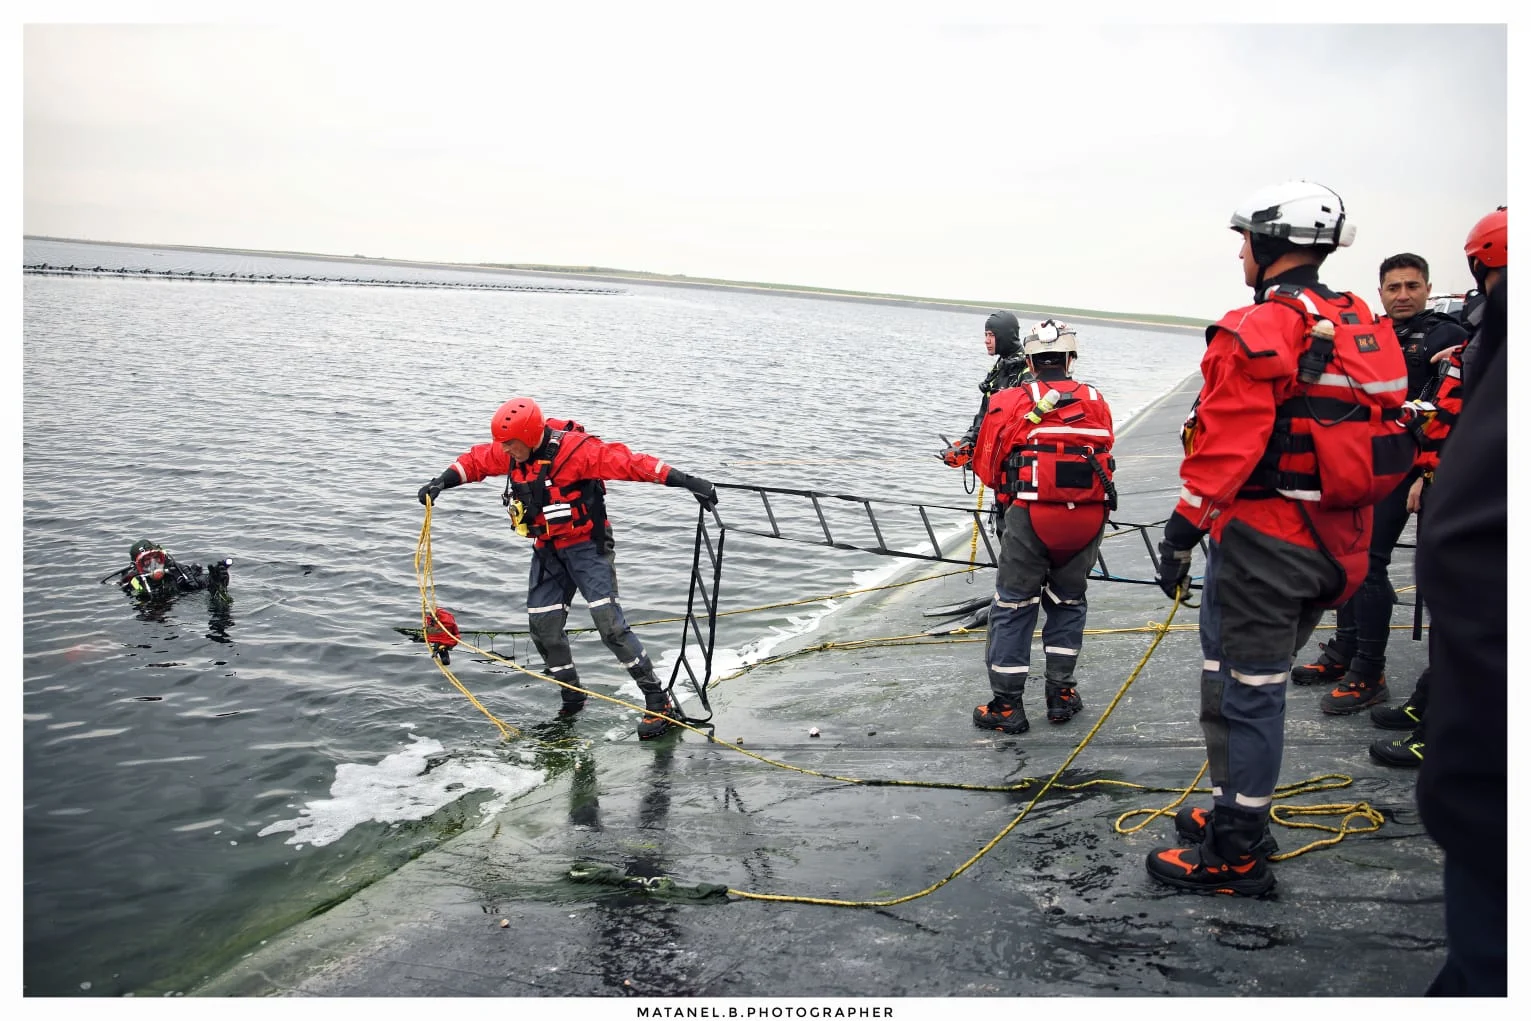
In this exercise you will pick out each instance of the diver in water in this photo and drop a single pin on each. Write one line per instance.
(154, 574)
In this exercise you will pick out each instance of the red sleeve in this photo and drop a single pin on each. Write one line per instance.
(1448, 403)
(592, 458)
(482, 461)
(1233, 424)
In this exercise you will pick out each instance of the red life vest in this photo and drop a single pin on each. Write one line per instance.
(1065, 457)
(441, 631)
(551, 510)
(1337, 439)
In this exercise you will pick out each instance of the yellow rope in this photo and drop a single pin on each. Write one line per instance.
(977, 519)
(428, 608)
(1281, 814)
(889, 902)
(1373, 819)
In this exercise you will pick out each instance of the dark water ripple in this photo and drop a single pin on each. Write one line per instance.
(288, 427)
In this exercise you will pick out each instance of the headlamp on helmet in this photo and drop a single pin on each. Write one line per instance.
(1050, 336)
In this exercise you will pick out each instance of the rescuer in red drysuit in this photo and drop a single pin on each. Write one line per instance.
(555, 495)
(1294, 436)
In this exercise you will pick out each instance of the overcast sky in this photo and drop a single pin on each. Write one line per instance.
(888, 148)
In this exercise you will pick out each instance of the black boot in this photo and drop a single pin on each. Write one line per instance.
(657, 706)
(1003, 715)
(1404, 717)
(1410, 715)
(573, 701)
(1328, 668)
(1063, 703)
(1406, 752)
(1224, 862)
(1191, 828)
(1353, 694)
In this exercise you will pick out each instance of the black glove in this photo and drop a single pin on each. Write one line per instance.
(1180, 538)
(433, 488)
(706, 492)
(1174, 571)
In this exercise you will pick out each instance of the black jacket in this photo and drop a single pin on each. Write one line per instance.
(1008, 371)
(1421, 338)
(1462, 572)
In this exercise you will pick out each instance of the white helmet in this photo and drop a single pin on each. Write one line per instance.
(1047, 336)
(1297, 212)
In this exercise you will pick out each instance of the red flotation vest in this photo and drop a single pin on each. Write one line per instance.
(1064, 457)
(1337, 441)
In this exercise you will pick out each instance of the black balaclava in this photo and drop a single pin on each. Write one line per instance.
(1007, 333)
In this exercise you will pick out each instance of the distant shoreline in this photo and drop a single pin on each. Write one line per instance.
(1172, 324)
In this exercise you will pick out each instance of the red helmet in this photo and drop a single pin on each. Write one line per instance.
(518, 419)
(1488, 241)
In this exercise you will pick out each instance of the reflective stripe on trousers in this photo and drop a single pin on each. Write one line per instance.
(556, 574)
(1243, 700)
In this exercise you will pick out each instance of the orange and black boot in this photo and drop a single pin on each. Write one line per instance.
(1224, 862)
(1002, 715)
(1063, 704)
(1191, 828)
(1329, 668)
(1353, 694)
(657, 705)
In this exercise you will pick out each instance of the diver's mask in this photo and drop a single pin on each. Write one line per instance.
(150, 564)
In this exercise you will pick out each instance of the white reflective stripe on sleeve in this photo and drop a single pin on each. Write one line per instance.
(1256, 680)
(1016, 606)
(1190, 497)
(632, 663)
(1011, 669)
(1211, 665)
(1069, 429)
(601, 602)
(1093, 395)
(1377, 387)
(555, 608)
(660, 470)
(1058, 650)
(1217, 791)
(1246, 801)
(1311, 495)
(560, 669)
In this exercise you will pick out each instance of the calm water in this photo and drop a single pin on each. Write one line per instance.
(196, 779)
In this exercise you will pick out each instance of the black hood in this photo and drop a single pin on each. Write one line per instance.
(1007, 332)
